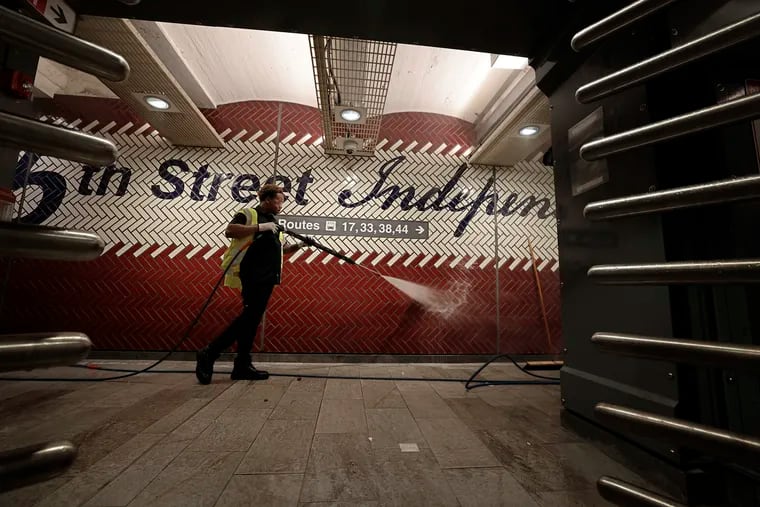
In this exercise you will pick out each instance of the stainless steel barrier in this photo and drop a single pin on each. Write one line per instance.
(635, 74)
(31, 135)
(42, 242)
(616, 21)
(28, 465)
(42, 350)
(680, 351)
(714, 116)
(715, 192)
(734, 448)
(625, 494)
(747, 271)
(725, 444)
(56, 45)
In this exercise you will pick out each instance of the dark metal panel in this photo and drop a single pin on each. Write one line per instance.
(590, 375)
(477, 27)
(726, 398)
(583, 389)
(712, 397)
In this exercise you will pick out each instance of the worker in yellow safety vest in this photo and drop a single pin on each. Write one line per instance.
(255, 259)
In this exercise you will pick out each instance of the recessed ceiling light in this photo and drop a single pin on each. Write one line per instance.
(508, 62)
(350, 114)
(530, 130)
(157, 103)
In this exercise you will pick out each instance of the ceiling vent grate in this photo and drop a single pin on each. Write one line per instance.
(351, 77)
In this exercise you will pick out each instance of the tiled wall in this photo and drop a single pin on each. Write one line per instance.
(164, 235)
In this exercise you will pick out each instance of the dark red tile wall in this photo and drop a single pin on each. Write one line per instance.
(89, 109)
(146, 303)
(262, 115)
(253, 116)
(426, 128)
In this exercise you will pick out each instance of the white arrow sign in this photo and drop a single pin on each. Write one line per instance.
(363, 227)
(57, 12)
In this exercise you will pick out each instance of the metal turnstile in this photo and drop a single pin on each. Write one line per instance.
(30, 464)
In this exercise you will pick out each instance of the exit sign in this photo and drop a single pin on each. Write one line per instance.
(57, 12)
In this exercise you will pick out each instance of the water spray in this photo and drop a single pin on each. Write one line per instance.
(434, 300)
(411, 289)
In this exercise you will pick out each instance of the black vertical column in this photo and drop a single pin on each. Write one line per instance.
(591, 376)
(720, 398)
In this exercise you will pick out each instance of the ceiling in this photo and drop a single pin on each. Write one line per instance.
(527, 28)
(234, 65)
(207, 66)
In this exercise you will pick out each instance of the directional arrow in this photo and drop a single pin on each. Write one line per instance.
(60, 17)
(420, 229)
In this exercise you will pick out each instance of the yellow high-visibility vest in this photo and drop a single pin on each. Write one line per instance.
(232, 278)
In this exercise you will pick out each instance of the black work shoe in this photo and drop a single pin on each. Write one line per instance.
(248, 373)
(204, 366)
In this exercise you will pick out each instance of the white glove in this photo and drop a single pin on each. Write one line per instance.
(268, 227)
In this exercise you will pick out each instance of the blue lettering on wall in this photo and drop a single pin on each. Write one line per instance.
(487, 195)
(174, 180)
(450, 197)
(251, 187)
(53, 187)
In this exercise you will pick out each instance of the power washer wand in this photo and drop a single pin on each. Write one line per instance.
(312, 242)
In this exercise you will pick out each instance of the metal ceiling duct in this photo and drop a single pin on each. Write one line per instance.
(351, 74)
(504, 144)
(183, 124)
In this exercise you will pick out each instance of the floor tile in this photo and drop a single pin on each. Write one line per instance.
(307, 385)
(84, 485)
(591, 463)
(298, 405)
(355, 503)
(342, 416)
(234, 430)
(281, 446)
(381, 394)
(583, 498)
(338, 389)
(427, 405)
(130, 482)
(389, 427)
(484, 487)
(33, 493)
(193, 478)
(452, 390)
(534, 467)
(330, 451)
(163, 439)
(261, 396)
(412, 479)
(179, 415)
(278, 490)
(340, 468)
(351, 484)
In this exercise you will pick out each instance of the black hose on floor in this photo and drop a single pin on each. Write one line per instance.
(150, 368)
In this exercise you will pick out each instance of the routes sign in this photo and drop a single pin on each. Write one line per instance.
(334, 226)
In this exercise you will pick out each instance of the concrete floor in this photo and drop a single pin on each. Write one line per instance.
(162, 439)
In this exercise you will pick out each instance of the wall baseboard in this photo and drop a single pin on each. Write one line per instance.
(317, 358)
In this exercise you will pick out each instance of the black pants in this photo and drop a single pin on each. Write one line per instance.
(243, 329)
